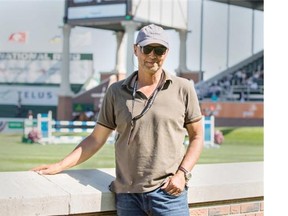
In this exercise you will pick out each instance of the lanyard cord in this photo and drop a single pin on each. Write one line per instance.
(150, 100)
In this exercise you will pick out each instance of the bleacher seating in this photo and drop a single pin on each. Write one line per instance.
(242, 82)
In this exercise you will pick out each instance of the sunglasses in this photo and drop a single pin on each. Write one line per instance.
(158, 50)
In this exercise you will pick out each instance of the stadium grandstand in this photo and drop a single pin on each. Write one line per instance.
(241, 82)
(235, 96)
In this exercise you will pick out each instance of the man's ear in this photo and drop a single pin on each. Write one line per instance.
(135, 50)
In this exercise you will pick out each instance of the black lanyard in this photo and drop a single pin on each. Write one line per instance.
(150, 100)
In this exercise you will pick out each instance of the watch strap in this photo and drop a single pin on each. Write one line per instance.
(187, 174)
(183, 169)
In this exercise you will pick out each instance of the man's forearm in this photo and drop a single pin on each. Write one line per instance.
(196, 143)
(86, 149)
(193, 153)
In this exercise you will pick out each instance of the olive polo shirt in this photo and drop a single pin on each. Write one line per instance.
(155, 149)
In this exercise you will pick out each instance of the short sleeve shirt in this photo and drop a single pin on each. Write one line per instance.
(155, 148)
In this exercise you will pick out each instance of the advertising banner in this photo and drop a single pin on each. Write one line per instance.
(37, 68)
(29, 95)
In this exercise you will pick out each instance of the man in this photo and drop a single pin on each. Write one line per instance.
(151, 110)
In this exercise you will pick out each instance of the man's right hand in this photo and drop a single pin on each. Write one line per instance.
(49, 169)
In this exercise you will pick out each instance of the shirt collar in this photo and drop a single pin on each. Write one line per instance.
(128, 80)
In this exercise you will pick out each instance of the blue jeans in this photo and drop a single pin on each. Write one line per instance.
(156, 203)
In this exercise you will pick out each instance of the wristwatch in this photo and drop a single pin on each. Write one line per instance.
(187, 174)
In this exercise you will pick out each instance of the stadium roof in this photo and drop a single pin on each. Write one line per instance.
(252, 4)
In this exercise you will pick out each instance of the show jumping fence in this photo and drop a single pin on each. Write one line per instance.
(66, 129)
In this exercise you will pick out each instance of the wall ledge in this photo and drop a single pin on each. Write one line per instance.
(85, 191)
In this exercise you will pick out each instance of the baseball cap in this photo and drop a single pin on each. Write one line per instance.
(152, 34)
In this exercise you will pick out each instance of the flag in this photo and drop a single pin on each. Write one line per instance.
(55, 40)
(18, 37)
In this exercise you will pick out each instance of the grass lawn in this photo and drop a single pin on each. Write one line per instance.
(242, 144)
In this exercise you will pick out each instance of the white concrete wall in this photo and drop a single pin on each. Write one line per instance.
(83, 191)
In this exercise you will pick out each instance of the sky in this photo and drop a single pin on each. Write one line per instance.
(43, 19)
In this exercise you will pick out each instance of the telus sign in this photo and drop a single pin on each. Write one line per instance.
(29, 95)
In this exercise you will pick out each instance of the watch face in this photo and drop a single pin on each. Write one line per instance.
(188, 176)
